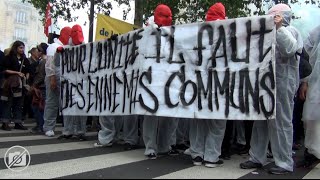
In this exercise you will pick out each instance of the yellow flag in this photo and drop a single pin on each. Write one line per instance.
(107, 26)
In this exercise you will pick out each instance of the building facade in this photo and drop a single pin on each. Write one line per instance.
(20, 21)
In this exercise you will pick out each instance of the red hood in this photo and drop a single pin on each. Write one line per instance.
(65, 35)
(163, 15)
(216, 12)
(77, 35)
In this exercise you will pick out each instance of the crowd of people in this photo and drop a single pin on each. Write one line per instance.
(36, 80)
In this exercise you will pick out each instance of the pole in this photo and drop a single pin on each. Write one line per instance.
(91, 17)
(138, 17)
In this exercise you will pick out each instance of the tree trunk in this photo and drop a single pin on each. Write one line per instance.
(91, 19)
(138, 14)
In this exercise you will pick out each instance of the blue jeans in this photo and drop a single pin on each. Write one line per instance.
(38, 114)
(12, 109)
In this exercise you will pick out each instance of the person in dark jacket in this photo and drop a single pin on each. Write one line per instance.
(39, 88)
(16, 69)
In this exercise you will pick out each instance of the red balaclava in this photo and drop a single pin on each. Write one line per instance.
(216, 12)
(65, 35)
(163, 15)
(77, 35)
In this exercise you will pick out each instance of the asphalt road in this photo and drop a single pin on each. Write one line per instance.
(53, 158)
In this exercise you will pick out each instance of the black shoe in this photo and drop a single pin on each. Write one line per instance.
(250, 165)
(152, 156)
(82, 137)
(197, 161)
(241, 149)
(180, 147)
(173, 152)
(308, 163)
(65, 136)
(36, 130)
(213, 164)
(278, 171)
(225, 156)
(5, 127)
(309, 160)
(19, 126)
(128, 147)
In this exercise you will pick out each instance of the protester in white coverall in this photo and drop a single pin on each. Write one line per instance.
(180, 139)
(310, 91)
(110, 131)
(157, 131)
(280, 130)
(206, 135)
(52, 82)
(74, 125)
(130, 132)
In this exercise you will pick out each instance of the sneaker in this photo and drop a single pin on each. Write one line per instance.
(19, 126)
(120, 142)
(278, 171)
(250, 165)
(187, 152)
(5, 127)
(81, 137)
(309, 160)
(128, 147)
(152, 156)
(173, 152)
(241, 149)
(35, 130)
(64, 137)
(225, 155)
(197, 161)
(180, 147)
(213, 164)
(50, 133)
(99, 145)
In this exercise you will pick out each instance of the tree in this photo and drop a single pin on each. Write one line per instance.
(184, 11)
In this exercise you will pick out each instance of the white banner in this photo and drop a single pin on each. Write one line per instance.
(217, 70)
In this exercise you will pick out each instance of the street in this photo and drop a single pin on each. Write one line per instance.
(72, 159)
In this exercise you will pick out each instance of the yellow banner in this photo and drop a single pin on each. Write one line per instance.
(107, 26)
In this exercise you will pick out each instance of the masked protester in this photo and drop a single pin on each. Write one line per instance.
(280, 130)
(158, 131)
(75, 125)
(163, 15)
(52, 81)
(111, 125)
(16, 70)
(206, 135)
(310, 92)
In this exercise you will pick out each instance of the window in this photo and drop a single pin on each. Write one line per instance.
(21, 17)
(20, 34)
